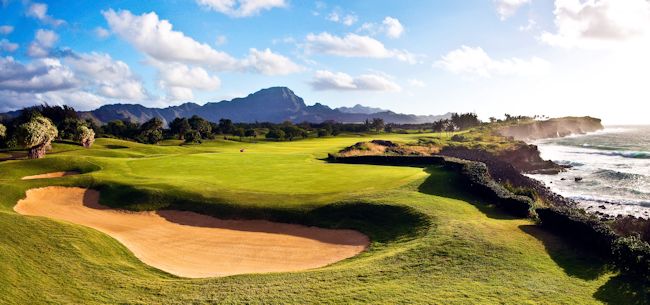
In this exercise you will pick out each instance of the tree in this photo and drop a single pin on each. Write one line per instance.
(275, 134)
(151, 131)
(179, 127)
(465, 120)
(323, 132)
(239, 132)
(192, 136)
(388, 128)
(251, 133)
(291, 131)
(3, 131)
(85, 136)
(201, 125)
(378, 124)
(36, 135)
(69, 128)
(226, 126)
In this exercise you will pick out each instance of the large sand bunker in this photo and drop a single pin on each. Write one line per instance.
(193, 245)
(51, 175)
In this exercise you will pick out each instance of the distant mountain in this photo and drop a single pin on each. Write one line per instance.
(360, 109)
(277, 104)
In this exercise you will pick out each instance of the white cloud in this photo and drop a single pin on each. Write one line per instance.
(476, 62)
(413, 82)
(348, 19)
(507, 8)
(327, 80)
(110, 78)
(391, 27)
(43, 42)
(599, 23)
(353, 45)
(41, 75)
(101, 32)
(157, 39)
(269, 63)
(241, 8)
(39, 11)
(179, 80)
(6, 29)
(8, 46)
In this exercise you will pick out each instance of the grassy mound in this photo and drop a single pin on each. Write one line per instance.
(431, 241)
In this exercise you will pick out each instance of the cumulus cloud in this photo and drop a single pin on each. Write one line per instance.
(241, 8)
(157, 39)
(599, 23)
(346, 19)
(43, 43)
(327, 80)
(111, 78)
(476, 62)
(414, 82)
(83, 81)
(180, 80)
(39, 11)
(6, 29)
(269, 63)
(507, 8)
(8, 46)
(101, 32)
(41, 75)
(391, 27)
(353, 45)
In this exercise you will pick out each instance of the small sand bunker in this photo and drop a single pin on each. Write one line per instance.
(51, 175)
(193, 245)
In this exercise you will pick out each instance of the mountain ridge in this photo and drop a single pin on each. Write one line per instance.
(275, 104)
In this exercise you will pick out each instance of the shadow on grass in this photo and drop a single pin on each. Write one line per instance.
(380, 222)
(445, 183)
(624, 290)
(113, 146)
(573, 259)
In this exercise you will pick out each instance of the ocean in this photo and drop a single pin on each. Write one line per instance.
(612, 167)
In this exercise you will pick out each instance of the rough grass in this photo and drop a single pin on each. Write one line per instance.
(432, 242)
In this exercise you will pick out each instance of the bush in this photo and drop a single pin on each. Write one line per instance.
(632, 255)
(85, 136)
(193, 136)
(36, 135)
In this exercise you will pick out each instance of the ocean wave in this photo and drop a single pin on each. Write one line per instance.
(622, 153)
(607, 174)
(612, 201)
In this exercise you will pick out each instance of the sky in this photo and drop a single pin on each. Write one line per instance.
(522, 57)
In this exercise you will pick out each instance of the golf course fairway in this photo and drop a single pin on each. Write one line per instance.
(430, 241)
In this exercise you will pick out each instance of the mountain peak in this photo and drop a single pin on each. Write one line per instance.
(274, 104)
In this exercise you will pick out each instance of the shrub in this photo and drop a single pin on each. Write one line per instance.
(85, 136)
(193, 136)
(36, 135)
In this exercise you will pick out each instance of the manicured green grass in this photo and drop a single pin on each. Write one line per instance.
(432, 242)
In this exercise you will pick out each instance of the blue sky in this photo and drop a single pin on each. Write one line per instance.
(567, 57)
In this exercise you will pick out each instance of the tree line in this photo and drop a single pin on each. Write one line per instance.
(36, 127)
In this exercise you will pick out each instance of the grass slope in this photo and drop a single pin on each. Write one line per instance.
(432, 243)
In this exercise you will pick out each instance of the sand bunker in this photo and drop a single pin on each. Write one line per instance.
(51, 175)
(193, 245)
